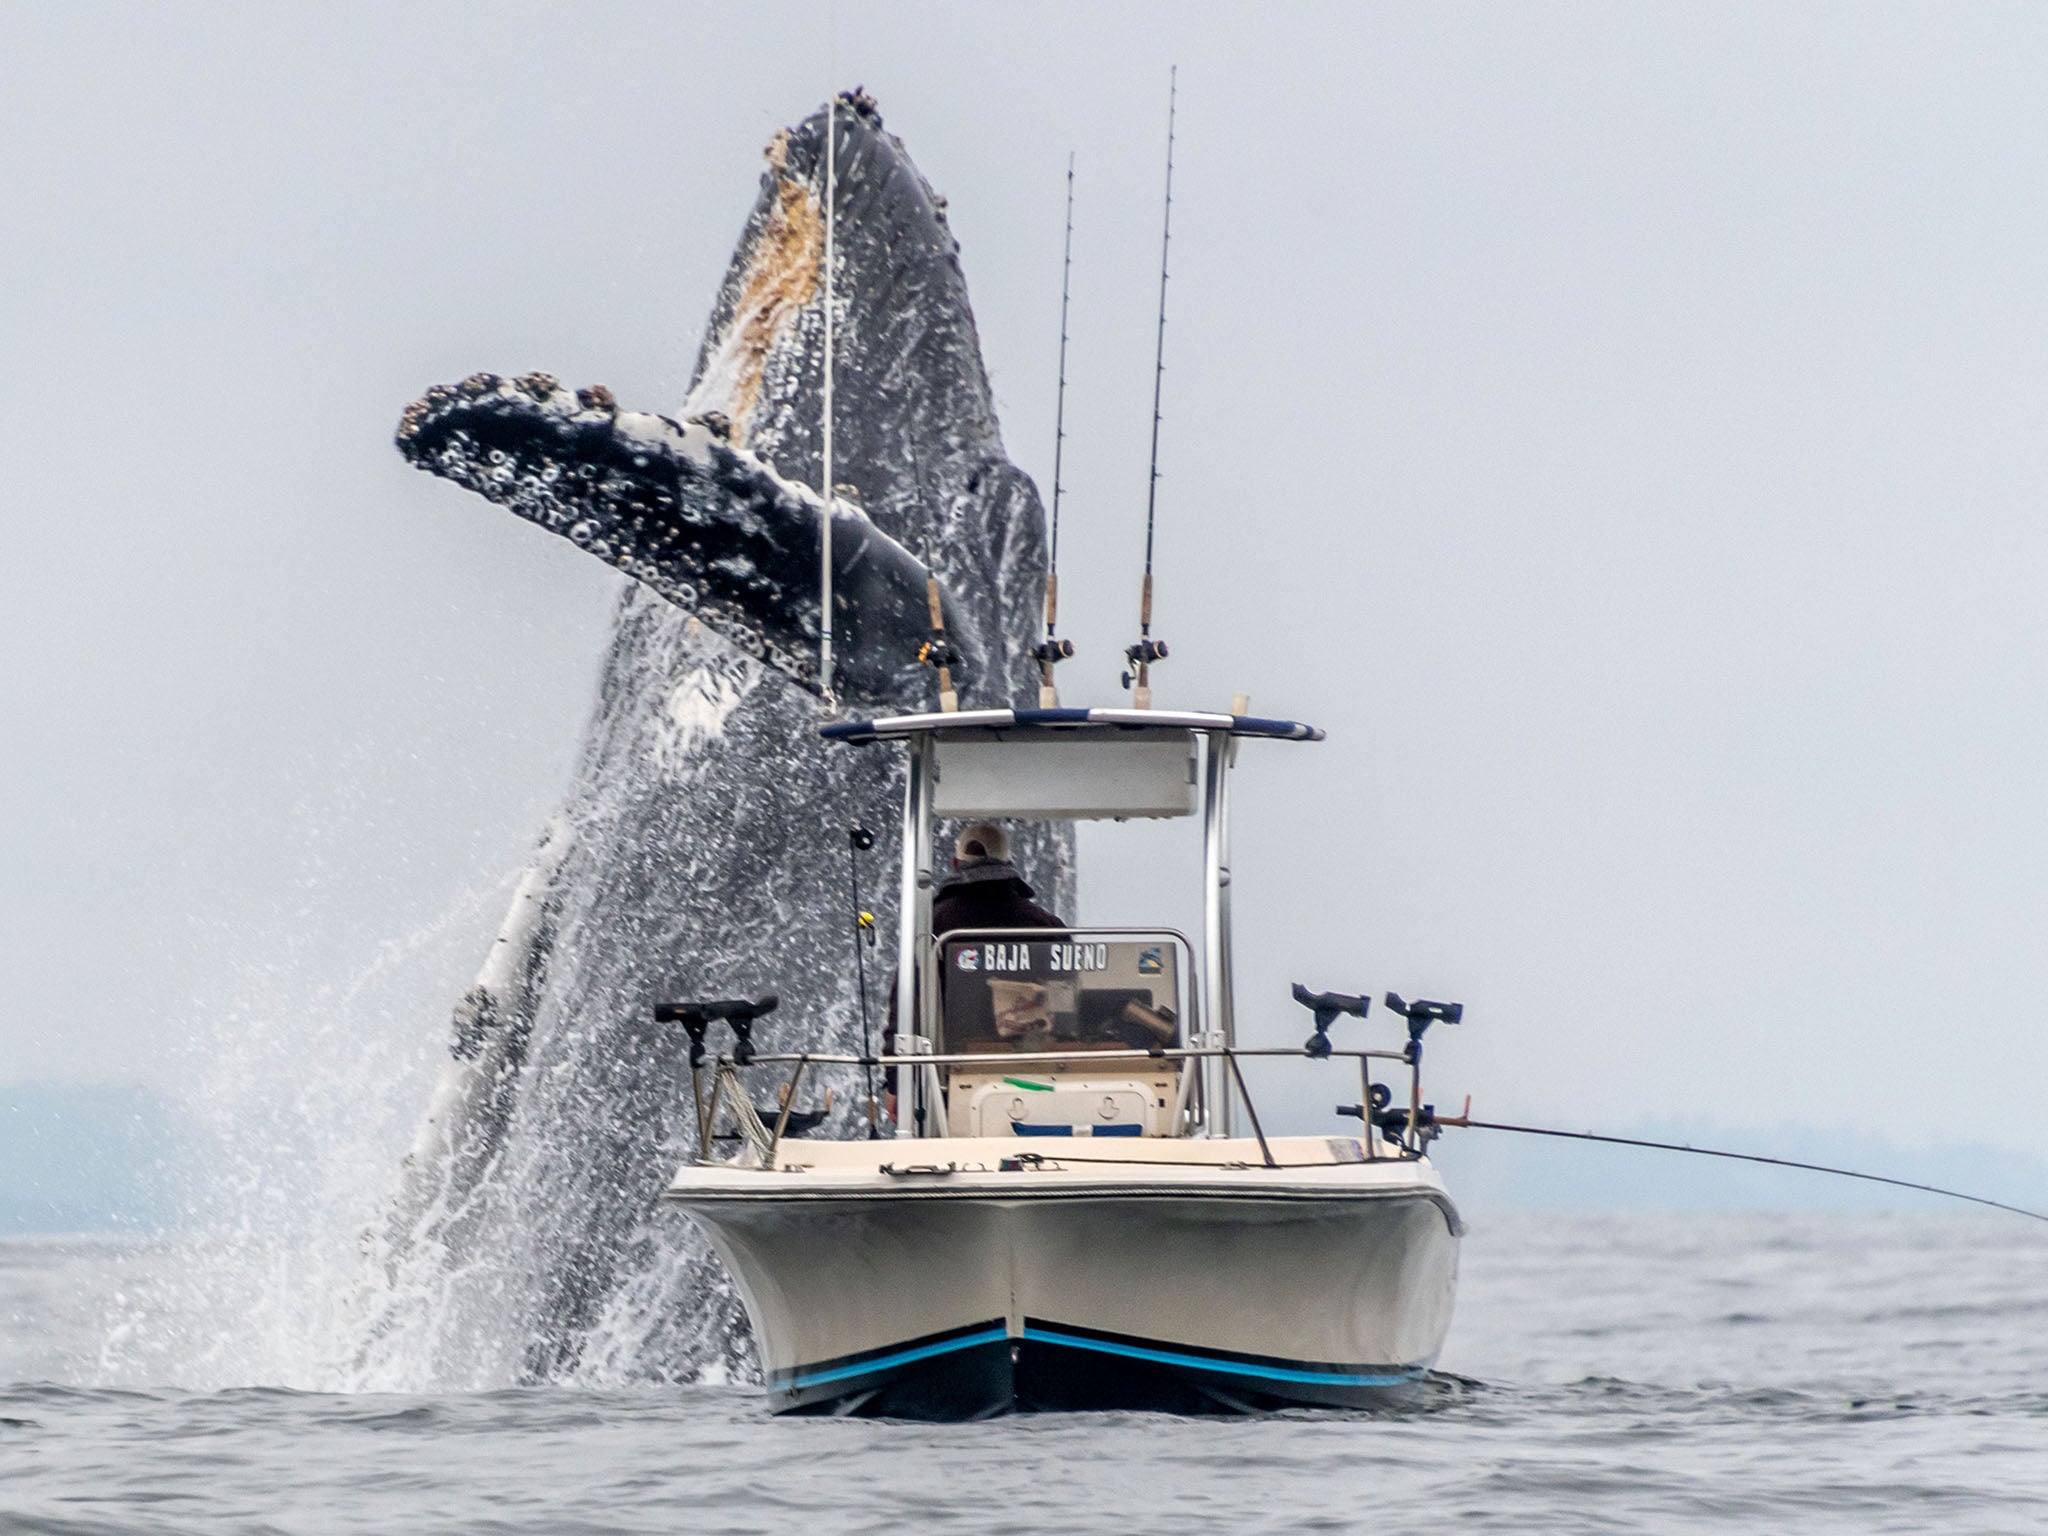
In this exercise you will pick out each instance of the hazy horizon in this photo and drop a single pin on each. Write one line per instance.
(126, 1158)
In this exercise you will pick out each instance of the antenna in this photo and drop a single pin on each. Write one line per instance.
(1055, 650)
(1147, 651)
(825, 512)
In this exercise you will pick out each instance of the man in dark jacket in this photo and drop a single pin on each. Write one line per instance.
(984, 891)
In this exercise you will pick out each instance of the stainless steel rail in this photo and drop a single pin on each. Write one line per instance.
(1225, 1057)
(984, 1058)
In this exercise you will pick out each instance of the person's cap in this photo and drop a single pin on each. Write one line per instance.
(981, 840)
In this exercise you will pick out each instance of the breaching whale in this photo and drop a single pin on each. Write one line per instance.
(701, 849)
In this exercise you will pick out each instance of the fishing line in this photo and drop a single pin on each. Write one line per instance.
(1743, 1157)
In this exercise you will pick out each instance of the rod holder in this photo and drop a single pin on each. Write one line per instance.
(1420, 1014)
(698, 1017)
(1327, 1007)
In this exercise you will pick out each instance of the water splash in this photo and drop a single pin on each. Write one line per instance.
(300, 1103)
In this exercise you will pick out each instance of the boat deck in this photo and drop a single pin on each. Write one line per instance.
(1038, 1167)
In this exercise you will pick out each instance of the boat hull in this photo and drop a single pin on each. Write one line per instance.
(958, 1295)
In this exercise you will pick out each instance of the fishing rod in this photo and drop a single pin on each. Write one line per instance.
(939, 653)
(1053, 650)
(825, 487)
(858, 840)
(1466, 1122)
(1148, 651)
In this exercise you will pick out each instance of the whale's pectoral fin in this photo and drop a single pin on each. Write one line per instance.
(706, 524)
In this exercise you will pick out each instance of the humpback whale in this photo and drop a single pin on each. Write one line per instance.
(701, 847)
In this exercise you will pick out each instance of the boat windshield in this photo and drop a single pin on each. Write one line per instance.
(1067, 992)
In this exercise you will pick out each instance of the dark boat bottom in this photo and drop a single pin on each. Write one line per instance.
(946, 1379)
(978, 1373)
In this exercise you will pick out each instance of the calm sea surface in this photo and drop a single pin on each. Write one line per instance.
(1613, 1372)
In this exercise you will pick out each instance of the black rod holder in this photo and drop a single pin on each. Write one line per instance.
(1327, 1007)
(698, 1017)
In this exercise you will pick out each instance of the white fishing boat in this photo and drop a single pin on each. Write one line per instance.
(1067, 1214)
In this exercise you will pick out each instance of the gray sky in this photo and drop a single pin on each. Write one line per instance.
(1620, 426)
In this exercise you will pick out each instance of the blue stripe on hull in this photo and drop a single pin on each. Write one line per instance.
(1364, 1376)
(978, 1369)
(801, 1378)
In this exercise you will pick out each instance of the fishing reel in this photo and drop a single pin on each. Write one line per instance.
(1393, 1122)
(937, 652)
(1049, 653)
(1143, 654)
(1379, 1098)
(1139, 678)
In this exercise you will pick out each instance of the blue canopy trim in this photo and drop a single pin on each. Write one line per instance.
(1063, 721)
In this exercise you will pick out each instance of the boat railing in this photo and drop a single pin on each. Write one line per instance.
(765, 1142)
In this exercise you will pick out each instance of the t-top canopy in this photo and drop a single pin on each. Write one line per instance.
(1063, 764)
(1055, 723)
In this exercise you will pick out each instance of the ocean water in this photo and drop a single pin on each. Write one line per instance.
(1610, 1371)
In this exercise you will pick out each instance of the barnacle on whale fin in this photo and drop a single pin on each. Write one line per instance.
(691, 515)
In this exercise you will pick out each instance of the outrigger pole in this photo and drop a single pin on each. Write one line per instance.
(825, 512)
(1052, 650)
(1147, 651)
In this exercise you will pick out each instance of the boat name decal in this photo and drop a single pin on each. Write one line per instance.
(1016, 958)
(1079, 957)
